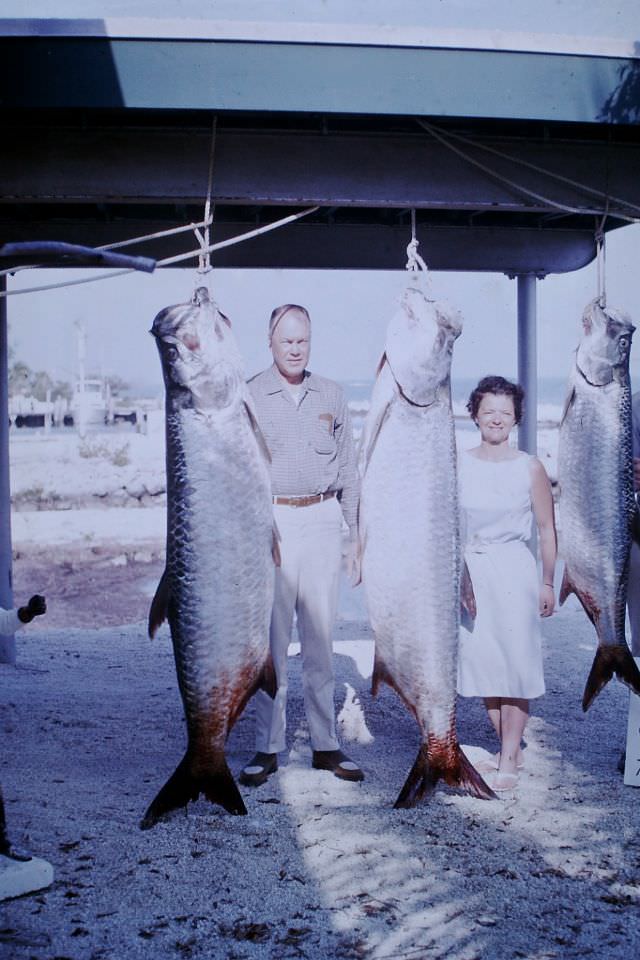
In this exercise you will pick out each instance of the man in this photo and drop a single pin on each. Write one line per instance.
(314, 480)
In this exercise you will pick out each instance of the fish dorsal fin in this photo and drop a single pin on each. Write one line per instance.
(381, 363)
(385, 390)
(159, 605)
(568, 404)
(253, 420)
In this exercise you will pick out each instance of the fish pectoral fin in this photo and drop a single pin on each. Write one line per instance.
(216, 783)
(607, 661)
(159, 605)
(267, 679)
(384, 393)
(275, 545)
(588, 605)
(259, 435)
(567, 405)
(566, 587)
(381, 675)
(467, 595)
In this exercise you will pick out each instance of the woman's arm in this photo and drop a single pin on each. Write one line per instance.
(542, 503)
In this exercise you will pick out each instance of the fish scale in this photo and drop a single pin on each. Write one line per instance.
(597, 505)
(217, 589)
(409, 530)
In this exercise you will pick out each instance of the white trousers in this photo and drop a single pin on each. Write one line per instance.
(633, 598)
(307, 585)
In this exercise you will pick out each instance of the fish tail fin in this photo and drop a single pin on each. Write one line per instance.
(216, 783)
(469, 780)
(607, 661)
(440, 760)
(421, 781)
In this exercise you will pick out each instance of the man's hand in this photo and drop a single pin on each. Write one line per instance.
(353, 562)
(36, 606)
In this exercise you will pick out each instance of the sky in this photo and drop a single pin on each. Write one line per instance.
(349, 310)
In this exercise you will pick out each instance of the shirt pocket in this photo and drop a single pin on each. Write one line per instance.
(273, 437)
(323, 440)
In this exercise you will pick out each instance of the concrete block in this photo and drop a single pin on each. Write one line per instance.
(18, 877)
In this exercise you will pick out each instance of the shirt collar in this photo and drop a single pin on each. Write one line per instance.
(275, 385)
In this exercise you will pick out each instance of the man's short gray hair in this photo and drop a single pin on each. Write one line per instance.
(278, 313)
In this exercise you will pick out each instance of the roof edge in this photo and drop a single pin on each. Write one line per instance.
(385, 35)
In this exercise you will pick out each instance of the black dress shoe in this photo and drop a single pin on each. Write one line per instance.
(259, 769)
(338, 763)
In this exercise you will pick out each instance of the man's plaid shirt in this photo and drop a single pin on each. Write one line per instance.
(311, 444)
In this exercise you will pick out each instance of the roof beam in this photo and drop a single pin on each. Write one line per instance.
(132, 165)
(347, 246)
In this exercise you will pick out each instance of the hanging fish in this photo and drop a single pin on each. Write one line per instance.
(597, 506)
(217, 588)
(411, 553)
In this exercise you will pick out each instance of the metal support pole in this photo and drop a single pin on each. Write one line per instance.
(528, 372)
(7, 644)
(528, 361)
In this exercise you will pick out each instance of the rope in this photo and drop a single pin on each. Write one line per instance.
(511, 183)
(532, 166)
(204, 261)
(601, 263)
(240, 238)
(414, 260)
(169, 260)
(189, 228)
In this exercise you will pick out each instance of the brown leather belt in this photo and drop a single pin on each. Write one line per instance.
(304, 501)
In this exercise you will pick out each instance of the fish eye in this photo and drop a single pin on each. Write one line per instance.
(172, 353)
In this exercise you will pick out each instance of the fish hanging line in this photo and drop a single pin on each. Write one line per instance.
(566, 208)
(601, 262)
(167, 261)
(204, 259)
(415, 263)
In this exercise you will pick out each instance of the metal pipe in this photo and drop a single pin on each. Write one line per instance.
(528, 361)
(528, 373)
(7, 644)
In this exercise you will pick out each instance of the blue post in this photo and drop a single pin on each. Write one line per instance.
(7, 644)
(528, 372)
(528, 361)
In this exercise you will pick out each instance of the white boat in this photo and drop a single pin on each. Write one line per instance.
(91, 402)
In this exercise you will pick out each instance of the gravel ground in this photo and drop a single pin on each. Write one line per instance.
(91, 726)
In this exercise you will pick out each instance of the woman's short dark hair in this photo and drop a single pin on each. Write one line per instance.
(501, 388)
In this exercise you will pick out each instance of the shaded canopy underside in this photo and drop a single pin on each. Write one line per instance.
(110, 138)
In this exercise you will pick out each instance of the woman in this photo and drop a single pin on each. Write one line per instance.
(501, 652)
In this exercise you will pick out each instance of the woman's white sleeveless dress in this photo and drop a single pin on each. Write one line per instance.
(501, 651)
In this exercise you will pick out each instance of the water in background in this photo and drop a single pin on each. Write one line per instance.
(551, 396)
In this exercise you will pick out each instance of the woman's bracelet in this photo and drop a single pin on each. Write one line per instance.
(545, 584)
